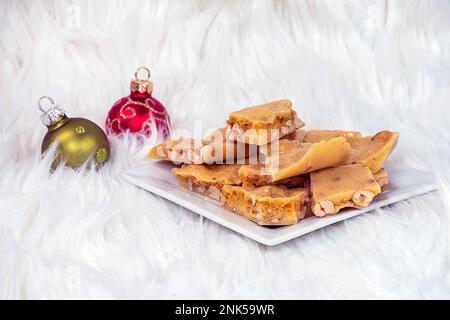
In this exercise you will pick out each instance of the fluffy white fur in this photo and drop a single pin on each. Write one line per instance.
(364, 65)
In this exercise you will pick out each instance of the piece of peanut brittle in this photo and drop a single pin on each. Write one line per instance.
(373, 151)
(182, 150)
(207, 180)
(257, 175)
(289, 158)
(190, 151)
(263, 123)
(345, 186)
(268, 205)
(315, 136)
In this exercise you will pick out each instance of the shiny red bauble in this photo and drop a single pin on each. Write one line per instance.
(139, 113)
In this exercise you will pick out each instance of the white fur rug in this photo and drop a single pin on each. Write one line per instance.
(363, 65)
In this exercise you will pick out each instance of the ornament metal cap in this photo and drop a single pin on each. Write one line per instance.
(51, 115)
(141, 85)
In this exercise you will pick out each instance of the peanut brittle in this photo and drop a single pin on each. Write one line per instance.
(293, 158)
(207, 180)
(185, 150)
(190, 151)
(315, 136)
(373, 151)
(256, 175)
(268, 205)
(345, 186)
(263, 123)
(295, 172)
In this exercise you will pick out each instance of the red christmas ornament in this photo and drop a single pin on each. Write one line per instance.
(139, 113)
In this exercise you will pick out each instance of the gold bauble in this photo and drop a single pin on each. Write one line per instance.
(79, 140)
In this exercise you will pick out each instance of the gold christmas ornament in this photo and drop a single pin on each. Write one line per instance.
(79, 140)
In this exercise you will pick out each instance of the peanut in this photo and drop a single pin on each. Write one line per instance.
(362, 198)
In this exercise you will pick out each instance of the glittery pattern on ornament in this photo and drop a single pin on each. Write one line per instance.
(80, 130)
(101, 155)
(138, 117)
(139, 113)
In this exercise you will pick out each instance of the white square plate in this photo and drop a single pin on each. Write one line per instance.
(156, 177)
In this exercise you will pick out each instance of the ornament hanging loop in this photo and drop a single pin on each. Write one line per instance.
(40, 105)
(147, 70)
(53, 114)
(141, 85)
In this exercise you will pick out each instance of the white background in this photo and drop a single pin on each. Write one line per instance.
(362, 65)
